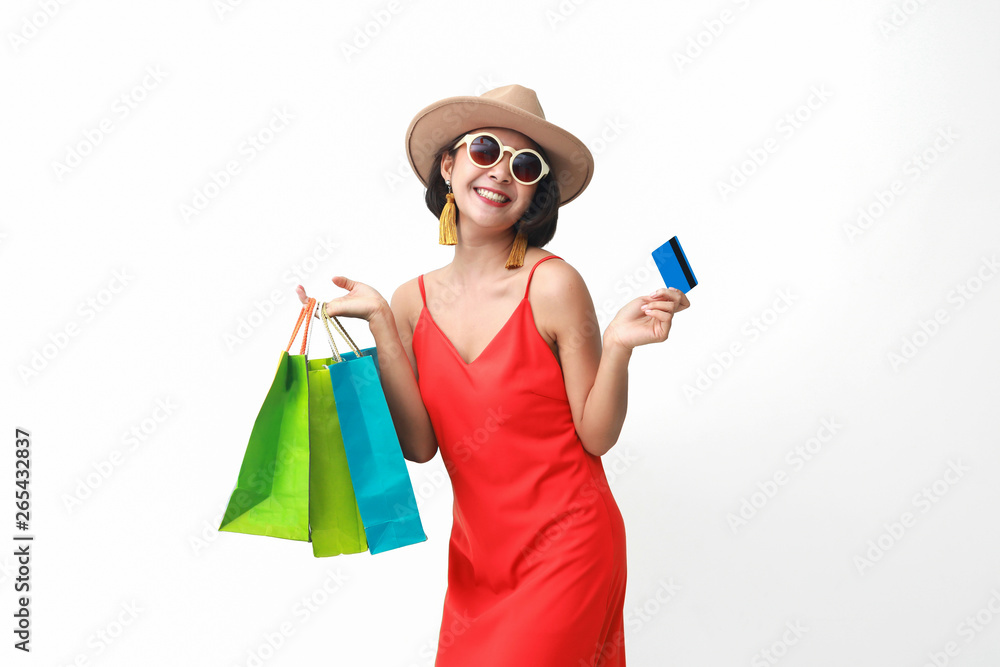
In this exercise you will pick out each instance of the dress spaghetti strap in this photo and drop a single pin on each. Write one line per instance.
(533, 272)
(423, 293)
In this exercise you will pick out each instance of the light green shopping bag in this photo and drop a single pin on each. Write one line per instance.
(272, 490)
(294, 482)
(334, 516)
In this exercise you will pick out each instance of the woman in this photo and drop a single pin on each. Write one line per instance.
(496, 360)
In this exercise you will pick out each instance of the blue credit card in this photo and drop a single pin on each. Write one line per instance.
(673, 265)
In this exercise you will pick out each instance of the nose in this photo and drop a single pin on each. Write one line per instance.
(501, 170)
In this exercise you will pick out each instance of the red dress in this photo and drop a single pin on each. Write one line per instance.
(536, 562)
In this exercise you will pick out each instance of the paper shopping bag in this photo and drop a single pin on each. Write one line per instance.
(271, 496)
(334, 518)
(378, 471)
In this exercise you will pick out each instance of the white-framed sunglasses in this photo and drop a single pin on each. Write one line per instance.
(485, 150)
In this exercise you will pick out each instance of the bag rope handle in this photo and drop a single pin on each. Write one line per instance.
(306, 309)
(326, 319)
(342, 332)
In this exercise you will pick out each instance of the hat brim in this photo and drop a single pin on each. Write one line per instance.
(572, 164)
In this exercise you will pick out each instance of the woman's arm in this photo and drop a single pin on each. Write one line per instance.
(390, 325)
(597, 379)
(607, 403)
(596, 382)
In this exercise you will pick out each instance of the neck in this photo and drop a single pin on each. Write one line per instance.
(482, 257)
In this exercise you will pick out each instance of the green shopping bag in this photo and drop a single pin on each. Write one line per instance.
(294, 481)
(272, 490)
(334, 517)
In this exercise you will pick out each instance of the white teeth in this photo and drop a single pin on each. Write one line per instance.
(492, 196)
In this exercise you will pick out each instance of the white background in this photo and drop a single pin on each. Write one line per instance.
(133, 552)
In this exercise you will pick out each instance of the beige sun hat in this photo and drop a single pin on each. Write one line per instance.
(514, 107)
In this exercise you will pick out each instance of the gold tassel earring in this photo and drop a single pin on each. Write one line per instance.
(447, 232)
(516, 257)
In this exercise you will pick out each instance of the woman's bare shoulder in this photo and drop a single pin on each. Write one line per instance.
(407, 302)
(552, 278)
(558, 294)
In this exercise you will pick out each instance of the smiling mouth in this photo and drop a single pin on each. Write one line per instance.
(492, 196)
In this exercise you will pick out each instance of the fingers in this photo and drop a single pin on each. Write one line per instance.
(301, 291)
(665, 293)
(660, 310)
(668, 294)
(341, 281)
(662, 306)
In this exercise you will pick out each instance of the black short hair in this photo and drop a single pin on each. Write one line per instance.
(539, 220)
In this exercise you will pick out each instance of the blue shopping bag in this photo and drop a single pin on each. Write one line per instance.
(378, 470)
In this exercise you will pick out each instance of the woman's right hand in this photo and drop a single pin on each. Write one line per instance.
(361, 301)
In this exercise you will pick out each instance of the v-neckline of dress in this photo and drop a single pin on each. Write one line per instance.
(488, 345)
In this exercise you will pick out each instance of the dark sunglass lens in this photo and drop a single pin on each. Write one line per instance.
(527, 167)
(484, 151)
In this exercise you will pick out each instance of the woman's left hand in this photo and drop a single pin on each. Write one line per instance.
(646, 319)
